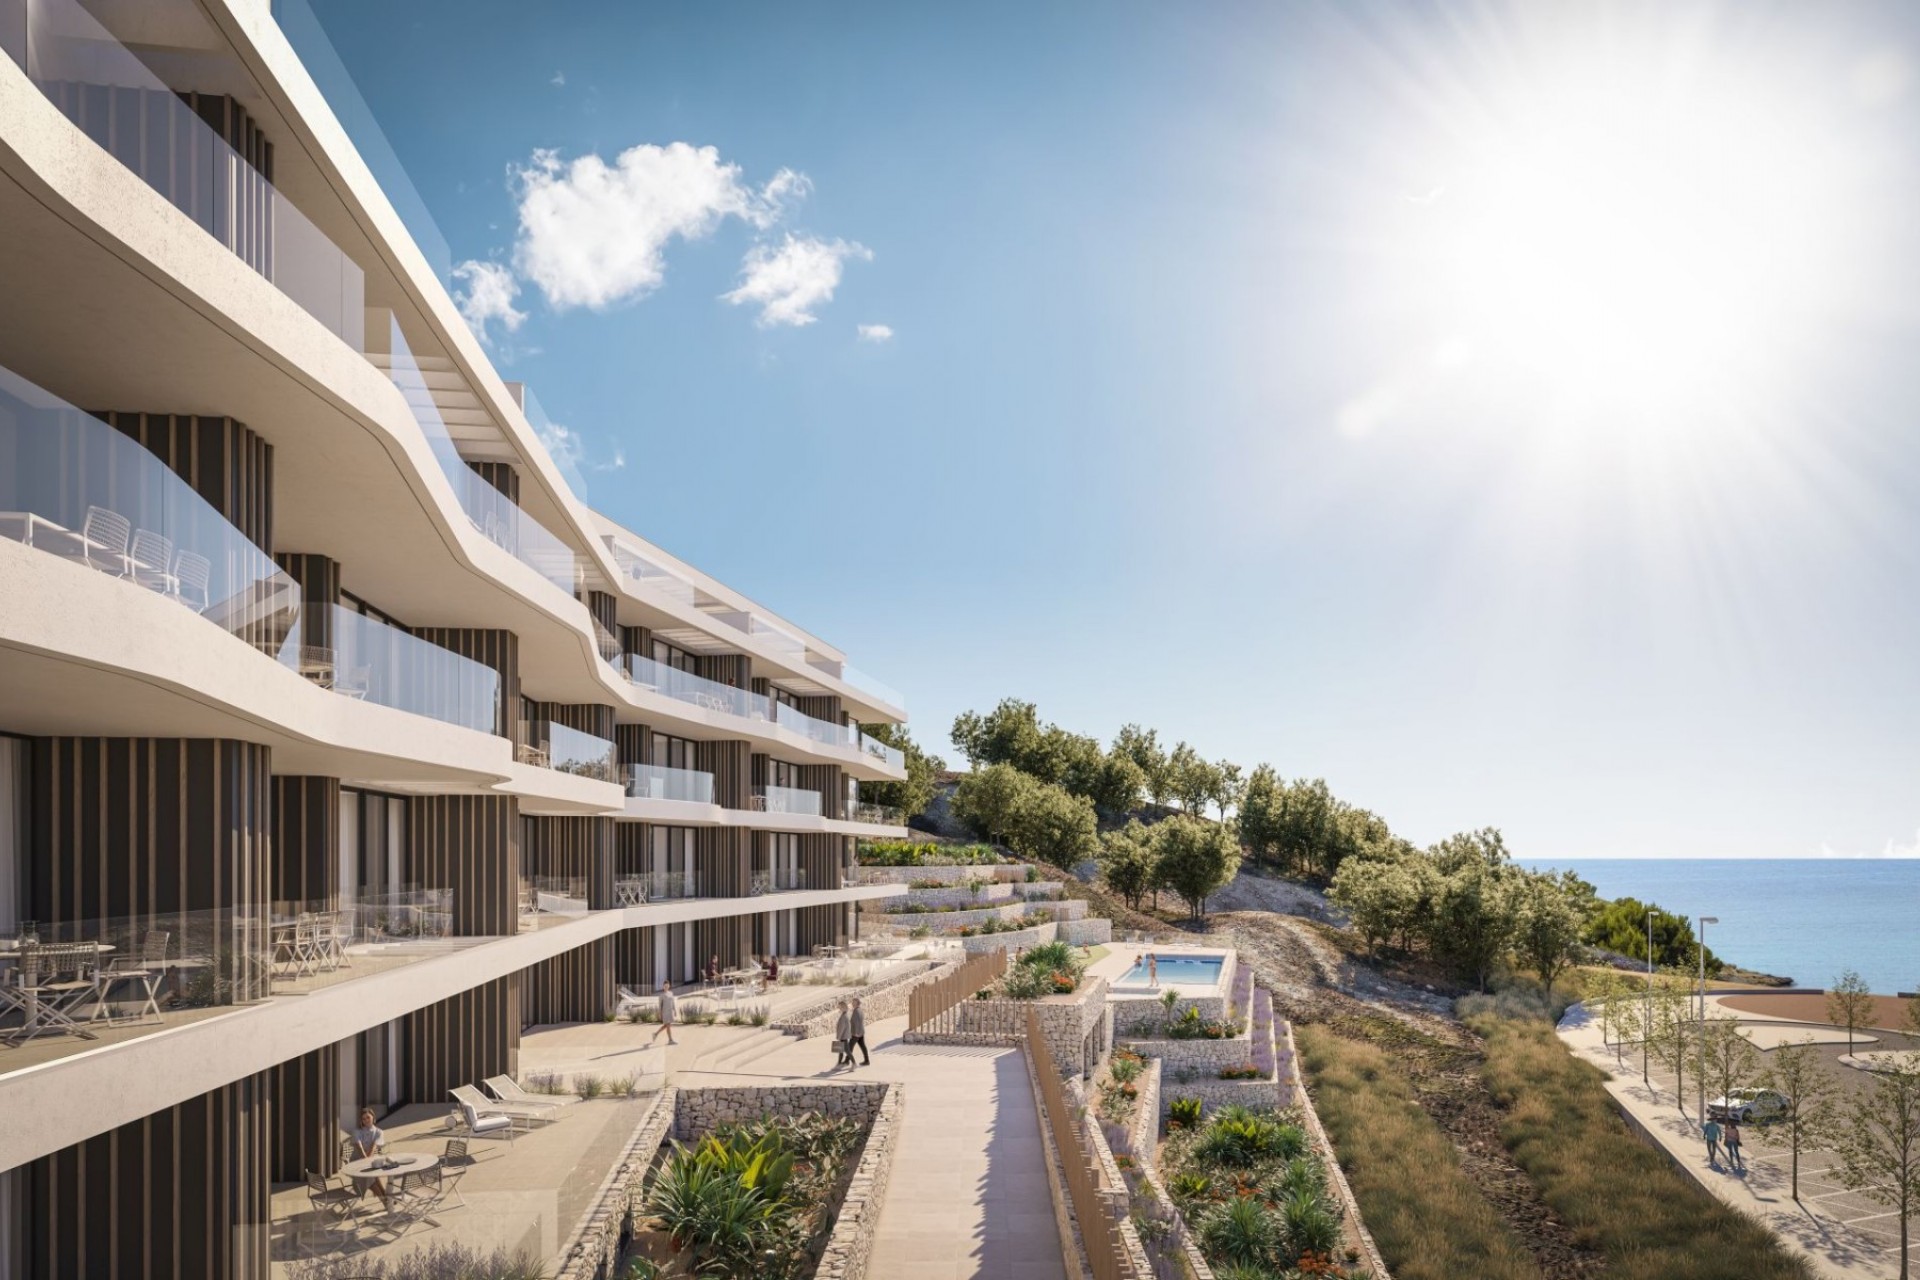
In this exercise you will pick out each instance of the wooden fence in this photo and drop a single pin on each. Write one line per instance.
(1098, 1231)
(930, 1006)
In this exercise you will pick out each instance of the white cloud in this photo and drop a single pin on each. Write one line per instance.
(488, 297)
(787, 281)
(594, 234)
(559, 80)
(874, 332)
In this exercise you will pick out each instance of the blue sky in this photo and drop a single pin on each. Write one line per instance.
(1507, 417)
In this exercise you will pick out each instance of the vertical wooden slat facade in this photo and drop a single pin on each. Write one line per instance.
(304, 866)
(723, 859)
(731, 764)
(490, 648)
(574, 986)
(580, 848)
(224, 462)
(461, 1040)
(305, 1094)
(181, 1192)
(471, 845)
(319, 579)
(155, 833)
(501, 476)
(633, 960)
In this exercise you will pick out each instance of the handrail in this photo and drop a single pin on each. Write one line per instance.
(1098, 1231)
(930, 1005)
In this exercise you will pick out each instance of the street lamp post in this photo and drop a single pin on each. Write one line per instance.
(1700, 1035)
(1646, 1019)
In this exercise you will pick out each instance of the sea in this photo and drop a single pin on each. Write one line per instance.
(1802, 918)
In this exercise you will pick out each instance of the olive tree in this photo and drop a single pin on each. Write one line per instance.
(1195, 859)
(1548, 921)
(1797, 1073)
(1128, 862)
(1850, 1004)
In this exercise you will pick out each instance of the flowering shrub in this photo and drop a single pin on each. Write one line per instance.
(1247, 1072)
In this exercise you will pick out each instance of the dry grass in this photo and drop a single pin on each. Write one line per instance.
(1430, 1221)
(1619, 1195)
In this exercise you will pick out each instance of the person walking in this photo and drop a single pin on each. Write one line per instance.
(1153, 970)
(1711, 1132)
(843, 1038)
(1734, 1157)
(666, 1015)
(857, 1024)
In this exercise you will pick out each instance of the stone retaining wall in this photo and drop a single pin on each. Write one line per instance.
(885, 999)
(1204, 1056)
(700, 1111)
(595, 1248)
(951, 896)
(1004, 872)
(1357, 1233)
(1214, 1092)
(940, 921)
(1089, 932)
(858, 1222)
(1012, 941)
(1076, 1028)
(1129, 1013)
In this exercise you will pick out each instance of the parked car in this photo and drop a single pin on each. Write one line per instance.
(1762, 1106)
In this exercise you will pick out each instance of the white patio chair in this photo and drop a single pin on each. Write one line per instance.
(488, 1124)
(152, 559)
(103, 541)
(191, 575)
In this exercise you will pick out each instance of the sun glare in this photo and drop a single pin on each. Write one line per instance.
(1637, 236)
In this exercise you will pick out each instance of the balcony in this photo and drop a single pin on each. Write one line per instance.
(655, 886)
(74, 487)
(565, 749)
(370, 661)
(492, 513)
(659, 782)
(111, 95)
(793, 801)
(684, 686)
(790, 880)
(884, 815)
(892, 757)
(824, 732)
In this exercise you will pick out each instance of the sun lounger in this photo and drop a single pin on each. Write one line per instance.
(468, 1096)
(482, 1125)
(508, 1092)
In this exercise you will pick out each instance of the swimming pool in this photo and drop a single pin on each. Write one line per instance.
(1177, 971)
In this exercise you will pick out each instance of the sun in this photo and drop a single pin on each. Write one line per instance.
(1640, 232)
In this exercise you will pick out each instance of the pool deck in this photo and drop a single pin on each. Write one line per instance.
(1122, 956)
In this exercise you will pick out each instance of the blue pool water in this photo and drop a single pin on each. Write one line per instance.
(1175, 971)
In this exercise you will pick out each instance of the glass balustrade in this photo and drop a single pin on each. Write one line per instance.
(571, 750)
(76, 488)
(811, 727)
(650, 574)
(660, 782)
(880, 814)
(881, 751)
(684, 686)
(111, 95)
(308, 37)
(787, 880)
(788, 800)
(359, 657)
(874, 688)
(491, 512)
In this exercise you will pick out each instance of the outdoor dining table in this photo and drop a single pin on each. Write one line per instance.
(406, 1165)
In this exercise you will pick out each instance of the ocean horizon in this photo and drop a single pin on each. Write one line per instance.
(1803, 918)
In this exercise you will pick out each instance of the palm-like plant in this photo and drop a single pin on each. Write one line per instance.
(1241, 1233)
(1311, 1227)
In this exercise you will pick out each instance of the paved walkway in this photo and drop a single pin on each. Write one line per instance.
(969, 1191)
(1845, 1235)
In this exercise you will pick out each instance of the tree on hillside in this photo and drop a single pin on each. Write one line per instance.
(1374, 896)
(969, 737)
(1260, 818)
(1797, 1073)
(923, 772)
(1227, 786)
(1129, 862)
(1850, 1004)
(1142, 746)
(1054, 826)
(1307, 815)
(988, 799)
(1879, 1143)
(1195, 859)
(1115, 784)
(1190, 778)
(1549, 915)
(1473, 913)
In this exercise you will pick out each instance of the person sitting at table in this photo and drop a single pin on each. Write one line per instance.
(773, 968)
(713, 970)
(369, 1140)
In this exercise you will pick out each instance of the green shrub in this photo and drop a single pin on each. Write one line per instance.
(589, 1087)
(1241, 1233)
(1184, 1111)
